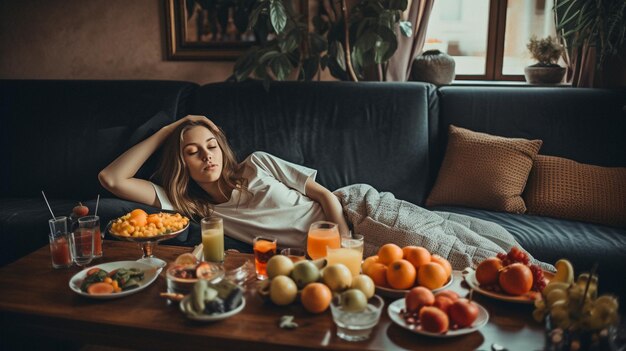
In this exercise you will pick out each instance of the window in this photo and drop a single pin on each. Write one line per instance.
(487, 38)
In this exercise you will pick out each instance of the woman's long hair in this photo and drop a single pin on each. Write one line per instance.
(184, 193)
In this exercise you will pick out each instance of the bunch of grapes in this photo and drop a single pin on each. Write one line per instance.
(518, 256)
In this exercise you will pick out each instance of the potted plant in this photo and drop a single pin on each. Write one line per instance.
(547, 52)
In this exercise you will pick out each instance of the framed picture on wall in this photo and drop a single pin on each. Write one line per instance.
(208, 29)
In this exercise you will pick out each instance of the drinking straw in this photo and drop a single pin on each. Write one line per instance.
(97, 202)
(47, 203)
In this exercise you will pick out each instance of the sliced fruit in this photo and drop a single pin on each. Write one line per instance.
(564, 271)
(186, 259)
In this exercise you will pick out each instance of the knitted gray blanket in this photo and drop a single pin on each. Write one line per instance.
(463, 240)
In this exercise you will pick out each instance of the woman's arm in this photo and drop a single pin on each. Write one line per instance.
(119, 176)
(329, 202)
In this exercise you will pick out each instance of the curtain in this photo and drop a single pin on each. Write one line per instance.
(399, 66)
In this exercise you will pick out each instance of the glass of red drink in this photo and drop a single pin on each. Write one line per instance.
(59, 242)
(92, 223)
(264, 248)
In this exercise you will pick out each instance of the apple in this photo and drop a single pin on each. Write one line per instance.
(80, 210)
(449, 293)
(463, 312)
(443, 302)
(434, 320)
(417, 298)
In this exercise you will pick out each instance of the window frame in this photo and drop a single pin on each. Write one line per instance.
(494, 57)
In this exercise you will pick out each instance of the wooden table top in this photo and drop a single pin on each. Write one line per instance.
(36, 299)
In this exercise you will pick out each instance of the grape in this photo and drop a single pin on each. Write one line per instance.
(539, 283)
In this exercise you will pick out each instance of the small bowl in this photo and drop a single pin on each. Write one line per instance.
(183, 286)
(356, 326)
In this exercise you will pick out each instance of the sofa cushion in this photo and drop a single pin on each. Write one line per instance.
(549, 239)
(484, 171)
(374, 133)
(562, 188)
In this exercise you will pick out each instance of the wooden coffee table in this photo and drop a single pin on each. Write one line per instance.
(35, 300)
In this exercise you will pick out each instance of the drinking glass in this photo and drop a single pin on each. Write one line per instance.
(294, 254)
(93, 223)
(81, 243)
(59, 242)
(356, 326)
(350, 253)
(213, 239)
(321, 235)
(264, 248)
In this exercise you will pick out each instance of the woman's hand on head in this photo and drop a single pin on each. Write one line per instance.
(197, 118)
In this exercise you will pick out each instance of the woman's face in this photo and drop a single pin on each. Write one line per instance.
(202, 155)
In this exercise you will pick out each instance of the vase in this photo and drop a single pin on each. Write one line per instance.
(433, 66)
(544, 74)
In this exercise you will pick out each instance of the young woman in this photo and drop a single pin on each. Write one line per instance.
(199, 176)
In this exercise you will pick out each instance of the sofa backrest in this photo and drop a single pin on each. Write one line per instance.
(57, 135)
(585, 125)
(375, 133)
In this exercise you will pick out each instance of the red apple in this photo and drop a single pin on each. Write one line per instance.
(449, 293)
(417, 298)
(463, 313)
(443, 302)
(434, 320)
(80, 210)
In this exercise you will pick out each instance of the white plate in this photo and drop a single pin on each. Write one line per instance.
(395, 293)
(210, 317)
(398, 305)
(470, 278)
(150, 273)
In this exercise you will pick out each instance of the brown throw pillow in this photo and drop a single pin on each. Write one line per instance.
(484, 171)
(562, 188)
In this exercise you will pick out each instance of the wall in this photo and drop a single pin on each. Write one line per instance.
(93, 39)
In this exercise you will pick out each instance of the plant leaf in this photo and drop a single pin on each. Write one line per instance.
(398, 4)
(246, 63)
(318, 43)
(254, 15)
(278, 15)
(406, 28)
(281, 67)
(310, 67)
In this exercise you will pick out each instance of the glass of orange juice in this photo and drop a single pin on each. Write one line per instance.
(264, 248)
(321, 235)
(350, 253)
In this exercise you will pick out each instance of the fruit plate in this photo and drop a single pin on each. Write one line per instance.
(395, 293)
(155, 238)
(150, 275)
(209, 317)
(470, 278)
(395, 313)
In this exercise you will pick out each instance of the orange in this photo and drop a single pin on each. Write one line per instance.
(368, 261)
(315, 297)
(432, 275)
(401, 275)
(443, 262)
(516, 279)
(378, 273)
(417, 255)
(154, 218)
(389, 253)
(138, 217)
(488, 270)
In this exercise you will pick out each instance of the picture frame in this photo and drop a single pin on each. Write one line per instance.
(195, 33)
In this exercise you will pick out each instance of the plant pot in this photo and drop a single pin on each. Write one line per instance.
(544, 74)
(433, 66)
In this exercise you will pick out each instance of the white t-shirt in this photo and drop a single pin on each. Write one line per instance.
(275, 204)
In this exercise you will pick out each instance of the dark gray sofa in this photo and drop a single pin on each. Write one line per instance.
(389, 135)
